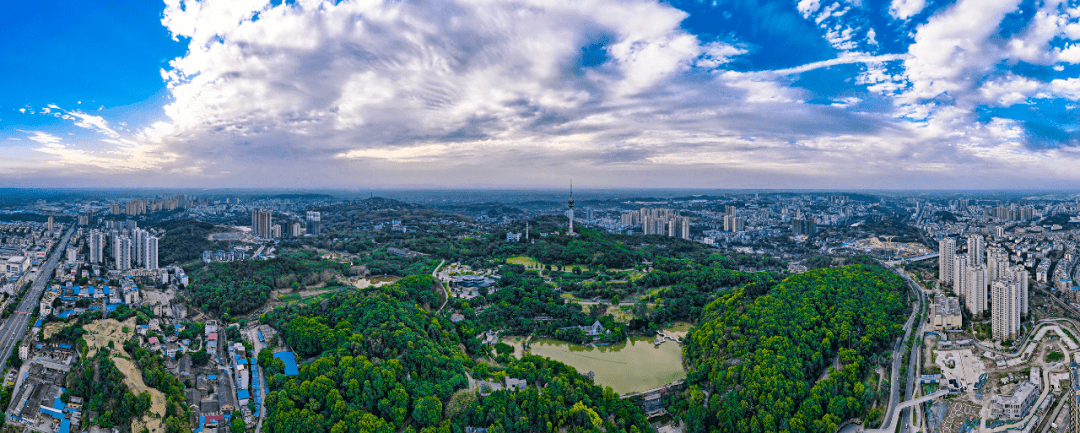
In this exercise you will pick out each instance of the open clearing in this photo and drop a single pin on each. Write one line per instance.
(52, 328)
(98, 336)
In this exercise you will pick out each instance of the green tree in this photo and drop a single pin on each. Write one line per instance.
(427, 410)
(236, 424)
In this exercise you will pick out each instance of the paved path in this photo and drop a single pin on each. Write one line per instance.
(14, 328)
(446, 293)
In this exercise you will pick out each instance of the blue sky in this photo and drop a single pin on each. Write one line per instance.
(613, 93)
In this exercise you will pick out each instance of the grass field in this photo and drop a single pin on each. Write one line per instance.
(528, 262)
(531, 264)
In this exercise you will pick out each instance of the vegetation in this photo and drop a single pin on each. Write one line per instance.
(155, 376)
(381, 354)
(101, 386)
(185, 240)
(761, 357)
(382, 363)
(241, 287)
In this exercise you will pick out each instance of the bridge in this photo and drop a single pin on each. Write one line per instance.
(891, 426)
(673, 386)
(919, 258)
(650, 400)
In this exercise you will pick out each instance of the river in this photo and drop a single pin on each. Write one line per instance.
(636, 365)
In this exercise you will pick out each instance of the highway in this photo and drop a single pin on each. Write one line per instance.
(14, 328)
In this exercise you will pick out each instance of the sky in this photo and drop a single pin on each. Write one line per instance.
(858, 94)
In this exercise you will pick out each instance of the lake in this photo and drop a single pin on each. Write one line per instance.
(636, 365)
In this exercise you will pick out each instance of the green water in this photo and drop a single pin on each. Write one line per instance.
(629, 367)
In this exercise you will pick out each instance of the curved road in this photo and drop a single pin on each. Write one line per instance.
(14, 328)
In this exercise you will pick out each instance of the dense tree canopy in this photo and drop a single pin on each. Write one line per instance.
(243, 286)
(761, 357)
(101, 386)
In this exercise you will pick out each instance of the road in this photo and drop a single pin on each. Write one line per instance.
(446, 293)
(14, 328)
(915, 359)
(894, 394)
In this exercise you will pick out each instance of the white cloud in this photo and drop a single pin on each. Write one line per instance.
(904, 9)
(952, 50)
(1070, 54)
(717, 54)
(1069, 88)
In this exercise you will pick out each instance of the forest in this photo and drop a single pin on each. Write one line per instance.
(108, 397)
(240, 287)
(761, 356)
(185, 240)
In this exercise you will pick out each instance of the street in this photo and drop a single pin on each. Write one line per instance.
(14, 328)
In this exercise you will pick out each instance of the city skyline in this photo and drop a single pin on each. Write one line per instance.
(906, 94)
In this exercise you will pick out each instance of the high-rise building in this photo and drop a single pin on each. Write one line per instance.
(976, 249)
(97, 247)
(800, 226)
(314, 223)
(122, 252)
(135, 207)
(139, 245)
(960, 273)
(51, 224)
(261, 222)
(72, 255)
(679, 227)
(975, 295)
(151, 259)
(734, 223)
(114, 209)
(1005, 317)
(997, 264)
(294, 229)
(946, 251)
(1022, 277)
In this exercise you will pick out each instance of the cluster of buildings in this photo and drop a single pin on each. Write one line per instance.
(658, 221)
(130, 246)
(24, 245)
(262, 225)
(36, 402)
(982, 274)
(229, 255)
(1018, 402)
(139, 207)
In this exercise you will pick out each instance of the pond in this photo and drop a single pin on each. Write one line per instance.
(636, 365)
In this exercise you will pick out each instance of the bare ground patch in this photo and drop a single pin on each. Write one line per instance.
(99, 334)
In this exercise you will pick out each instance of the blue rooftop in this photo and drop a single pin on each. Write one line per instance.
(65, 426)
(37, 324)
(242, 394)
(289, 359)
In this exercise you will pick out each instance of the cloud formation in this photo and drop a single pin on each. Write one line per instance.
(617, 92)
